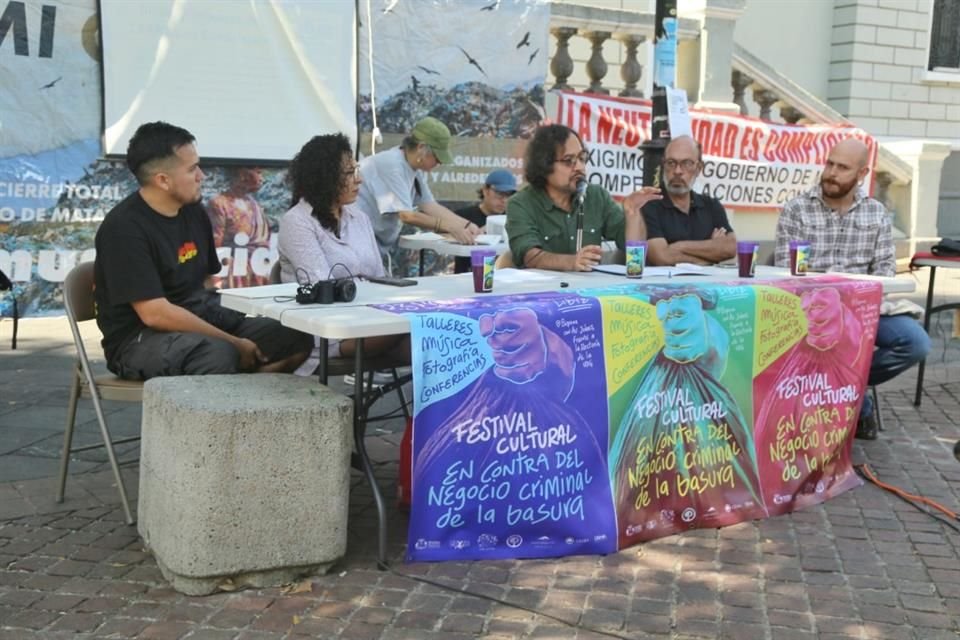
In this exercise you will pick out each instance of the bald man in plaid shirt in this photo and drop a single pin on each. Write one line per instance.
(850, 232)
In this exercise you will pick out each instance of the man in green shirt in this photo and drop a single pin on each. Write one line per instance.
(542, 217)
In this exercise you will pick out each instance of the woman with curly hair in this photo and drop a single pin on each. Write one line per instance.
(324, 235)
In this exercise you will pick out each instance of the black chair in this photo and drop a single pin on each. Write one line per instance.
(7, 285)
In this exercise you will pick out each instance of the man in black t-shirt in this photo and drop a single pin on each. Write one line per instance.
(685, 226)
(155, 255)
(496, 190)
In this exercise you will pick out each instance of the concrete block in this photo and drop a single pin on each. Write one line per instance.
(907, 128)
(244, 479)
(928, 111)
(895, 37)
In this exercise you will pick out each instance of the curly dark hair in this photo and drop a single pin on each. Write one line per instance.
(541, 152)
(316, 175)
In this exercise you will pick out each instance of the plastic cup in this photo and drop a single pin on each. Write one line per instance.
(747, 258)
(636, 257)
(482, 261)
(799, 257)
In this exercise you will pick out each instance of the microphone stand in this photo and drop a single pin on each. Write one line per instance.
(579, 213)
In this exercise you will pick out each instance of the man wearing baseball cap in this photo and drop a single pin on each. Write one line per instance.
(497, 188)
(395, 189)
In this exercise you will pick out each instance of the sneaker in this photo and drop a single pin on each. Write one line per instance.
(380, 378)
(867, 428)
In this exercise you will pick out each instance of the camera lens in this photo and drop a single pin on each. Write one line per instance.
(346, 290)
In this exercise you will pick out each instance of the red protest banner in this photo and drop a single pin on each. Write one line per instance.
(748, 163)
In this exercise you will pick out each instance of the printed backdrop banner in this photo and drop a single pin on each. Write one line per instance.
(723, 403)
(476, 65)
(748, 163)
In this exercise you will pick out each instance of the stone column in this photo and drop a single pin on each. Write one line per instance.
(766, 99)
(718, 18)
(596, 65)
(790, 114)
(740, 83)
(631, 70)
(926, 160)
(562, 64)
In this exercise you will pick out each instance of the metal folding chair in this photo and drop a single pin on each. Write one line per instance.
(79, 303)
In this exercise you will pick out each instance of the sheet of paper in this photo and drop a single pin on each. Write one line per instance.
(520, 275)
(678, 113)
(426, 235)
(682, 269)
(487, 238)
(615, 269)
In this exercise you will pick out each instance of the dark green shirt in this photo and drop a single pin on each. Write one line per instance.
(533, 220)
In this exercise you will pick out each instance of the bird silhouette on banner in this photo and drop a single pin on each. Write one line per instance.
(473, 62)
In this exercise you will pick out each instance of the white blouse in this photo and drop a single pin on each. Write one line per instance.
(308, 252)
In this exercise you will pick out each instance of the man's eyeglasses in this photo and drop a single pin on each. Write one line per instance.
(686, 165)
(572, 160)
(353, 172)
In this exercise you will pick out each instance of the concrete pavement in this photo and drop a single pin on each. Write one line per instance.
(864, 565)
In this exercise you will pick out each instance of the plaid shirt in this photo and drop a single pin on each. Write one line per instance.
(858, 241)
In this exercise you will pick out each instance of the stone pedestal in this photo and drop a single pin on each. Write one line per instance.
(244, 479)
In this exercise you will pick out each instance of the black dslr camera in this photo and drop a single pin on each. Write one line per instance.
(327, 291)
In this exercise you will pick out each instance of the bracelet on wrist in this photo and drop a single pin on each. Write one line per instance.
(467, 226)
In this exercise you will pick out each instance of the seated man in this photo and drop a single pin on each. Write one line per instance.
(155, 254)
(685, 226)
(542, 217)
(497, 188)
(850, 232)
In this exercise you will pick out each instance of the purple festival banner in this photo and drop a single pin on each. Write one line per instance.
(582, 422)
(510, 438)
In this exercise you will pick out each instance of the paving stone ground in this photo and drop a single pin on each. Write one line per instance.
(864, 565)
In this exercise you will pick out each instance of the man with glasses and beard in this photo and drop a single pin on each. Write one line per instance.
(850, 232)
(542, 217)
(685, 226)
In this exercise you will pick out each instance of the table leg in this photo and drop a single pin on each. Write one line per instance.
(359, 432)
(926, 327)
(322, 369)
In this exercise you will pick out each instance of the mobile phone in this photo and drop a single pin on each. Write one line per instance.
(393, 282)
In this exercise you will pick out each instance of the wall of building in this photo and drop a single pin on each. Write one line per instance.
(878, 74)
(794, 36)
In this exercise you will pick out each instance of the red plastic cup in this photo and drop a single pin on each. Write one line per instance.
(482, 261)
(747, 258)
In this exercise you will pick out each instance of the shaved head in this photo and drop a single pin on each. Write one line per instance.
(685, 143)
(847, 165)
(853, 151)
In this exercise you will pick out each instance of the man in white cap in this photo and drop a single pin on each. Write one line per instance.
(395, 190)
(496, 190)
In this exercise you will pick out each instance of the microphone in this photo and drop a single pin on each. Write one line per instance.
(581, 191)
(578, 201)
